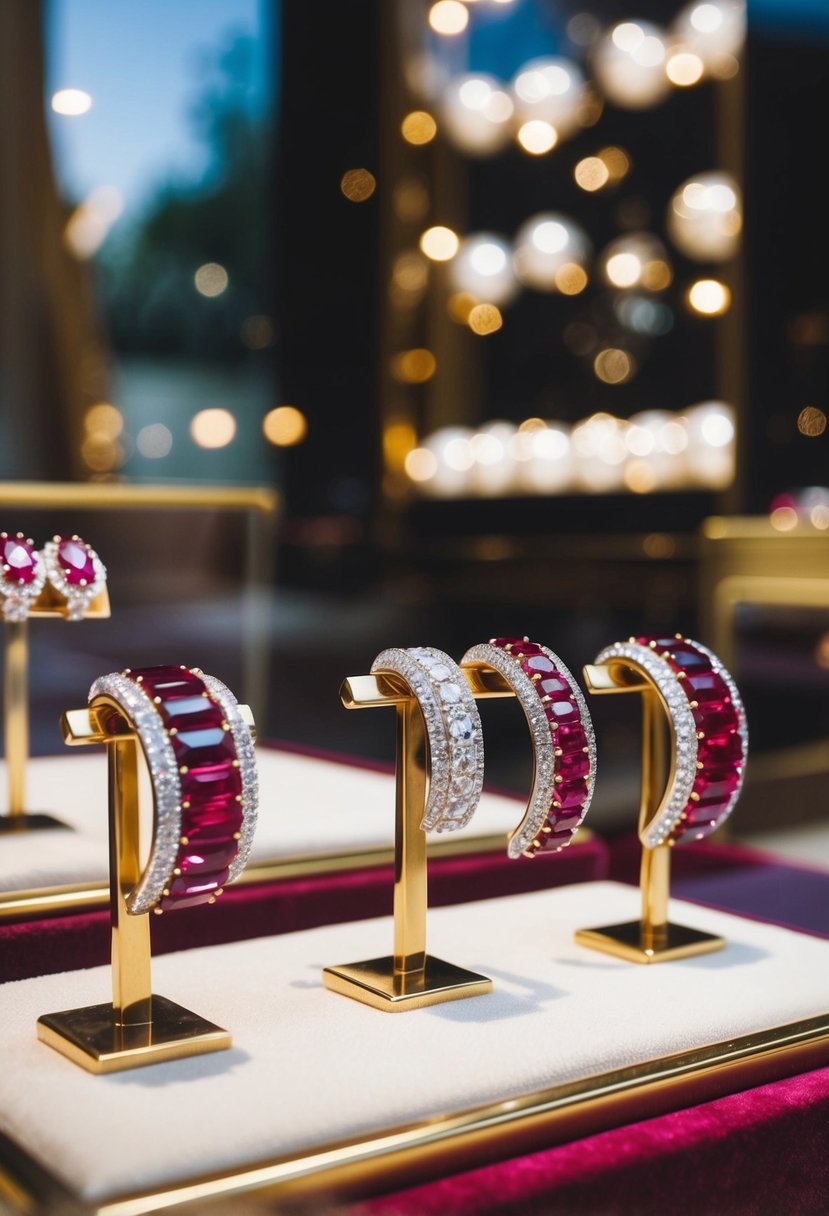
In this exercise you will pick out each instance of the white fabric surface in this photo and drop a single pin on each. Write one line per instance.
(307, 807)
(309, 1066)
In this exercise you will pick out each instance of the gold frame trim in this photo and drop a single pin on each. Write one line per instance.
(451, 1141)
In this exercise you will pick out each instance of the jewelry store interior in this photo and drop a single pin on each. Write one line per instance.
(464, 363)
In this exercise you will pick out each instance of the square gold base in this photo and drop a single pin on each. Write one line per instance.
(627, 941)
(91, 1038)
(375, 983)
(35, 821)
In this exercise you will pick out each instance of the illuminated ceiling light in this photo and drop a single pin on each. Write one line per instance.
(285, 426)
(213, 428)
(358, 185)
(104, 419)
(684, 69)
(420, 464)
(613, 366)
(448, 17)
(709, 297)
(537, 137)
(783, 519)
(418, 127)
(591, 173)
(623, 269)
(71, 102)
(440, 244)
(485, 319)
(571, 279)
(211, 280)
(811, 421)
(154, 441)
(414, 366)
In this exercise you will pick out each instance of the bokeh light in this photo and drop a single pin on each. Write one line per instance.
(213, 428)
(537, 137)
(439, 243)
(154, 441)
(709, 297)
(811, 421)
(414, 366)
(418, 127)
(448, 17)
(71, 102)
(285, 426)
(358, 185)
(485, 319)
(211, 280)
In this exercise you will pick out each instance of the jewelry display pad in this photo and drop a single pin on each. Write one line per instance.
(318, 1088)
(75, 788)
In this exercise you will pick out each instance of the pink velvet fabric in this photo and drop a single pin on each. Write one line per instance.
(763, 1152)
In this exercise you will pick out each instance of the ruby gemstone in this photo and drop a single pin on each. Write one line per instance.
(570, 793)
(573, 765)
(198, 748)
(208, 859)
(169, 682)
(554, 686)
(717, 783)
(21, 559)
(191, 713)
(539, 664)
(717, 727)
(713, 754)
(570, 737)
(516, 645)
(562, 711)
(75, 560)
(564, 821)
(709, 689)
(206, 825)
(211, 783)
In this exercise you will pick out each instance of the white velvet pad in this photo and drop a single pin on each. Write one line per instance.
(309, 1067)
(307, 807)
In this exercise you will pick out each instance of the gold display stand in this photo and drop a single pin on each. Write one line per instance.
(138, 1028)
(16, 706)
(410, 978)
(653, 939)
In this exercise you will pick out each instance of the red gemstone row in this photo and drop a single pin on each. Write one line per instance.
(572, 765)
(211, 784)
(19, 558)
(721, 752)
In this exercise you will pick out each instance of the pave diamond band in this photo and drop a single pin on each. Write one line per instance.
(453, 732)
(564, 745)
(710, 729)
(199, 754)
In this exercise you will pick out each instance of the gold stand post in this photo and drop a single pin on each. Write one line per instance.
(16, 710)
(410, 978)
(137, 1028)
(652, 939)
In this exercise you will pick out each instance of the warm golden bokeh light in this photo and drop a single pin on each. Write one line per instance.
(613, 366)
(448, 17)
(537, 136)
(811, 421)
(105, 420)
(783, 519)
(819, 516)
(822, 650)
(570, 279)
(210, 279)
(71, 102)
(399, 439)
(285, 426)
(656, 275)
(709, 297)
(213, 428)
(418, 127)
(532, 424)
(640, 478)
(624, 269)
(421, 464)
(439, 243)
(460, 305)
(659, 545)
(591, 173)
(485, 319)
(684, 69)
(410, 272)
(414, 366)
(616, 161)
(358, 184)
(101, 454)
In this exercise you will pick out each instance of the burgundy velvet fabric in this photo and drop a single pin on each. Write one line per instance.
(66, 943)
(763, 1152)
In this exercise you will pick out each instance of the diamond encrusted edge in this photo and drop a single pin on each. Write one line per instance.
(445, 751)
(664, 677)
(18, 598)
(742, 728)
(166, 783)
(589, 732)
(77, 598)
(541, 794)
(246, 756)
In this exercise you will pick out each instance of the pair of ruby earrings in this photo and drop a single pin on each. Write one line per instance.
(68, 563)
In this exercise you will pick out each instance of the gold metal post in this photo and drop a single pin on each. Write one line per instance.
(652, 938)
(137, 1028)
(410, 978)
(16, 708)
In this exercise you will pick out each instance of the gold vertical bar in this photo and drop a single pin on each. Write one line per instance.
(16, 714)
(655, 874)
(131, 983)
(410, 892)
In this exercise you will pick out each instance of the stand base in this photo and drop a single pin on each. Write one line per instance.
(627, 941)
(375, 983)
(91, 1038)
(34, 821)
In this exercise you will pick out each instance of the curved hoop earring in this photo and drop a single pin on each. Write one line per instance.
(564, 745)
